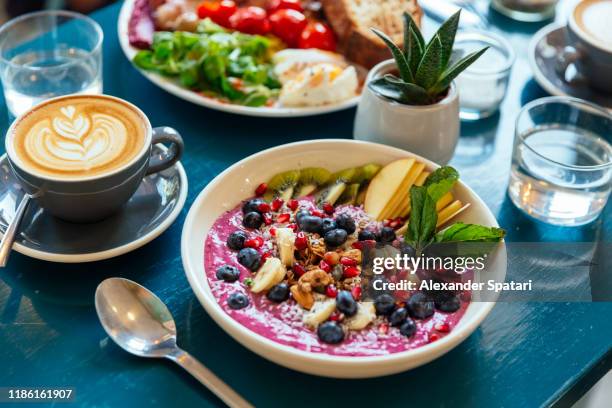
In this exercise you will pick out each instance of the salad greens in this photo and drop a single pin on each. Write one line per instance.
(234, 66)
(421, 229)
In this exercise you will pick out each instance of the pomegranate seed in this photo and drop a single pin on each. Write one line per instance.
(433, 337)
(442, 327)
(265, 256)
(331, 257)
(346, 261)
(394, 224)
(294, 227)
(318, 213)
(298, 269)
(368, 243)
(324, 266)
(267, 219)
(263, 207)
(383, 328)
(261, 189)
(283, 218)
(292, 204)
(386, 223)
(331, 291)
(356, 292)
(328, 208)
(273, 231)
(256, 242)
(350, 272)
(301, 241)
(335, 317)
(277, 203)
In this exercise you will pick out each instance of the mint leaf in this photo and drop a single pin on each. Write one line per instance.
(461, 232)
(423, 218)
(441, 181)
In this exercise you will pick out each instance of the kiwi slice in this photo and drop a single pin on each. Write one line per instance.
(349, 195)
(282, 185)
(311, 178)
(337, 185)
(360, 199)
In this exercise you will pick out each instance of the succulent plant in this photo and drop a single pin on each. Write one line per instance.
(424, 72)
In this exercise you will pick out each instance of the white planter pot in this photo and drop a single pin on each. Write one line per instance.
(431, 131)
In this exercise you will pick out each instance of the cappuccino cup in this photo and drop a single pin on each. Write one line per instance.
(83, 156)
(589, 38)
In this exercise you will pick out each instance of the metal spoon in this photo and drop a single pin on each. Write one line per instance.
(140, 323)
(9, 236)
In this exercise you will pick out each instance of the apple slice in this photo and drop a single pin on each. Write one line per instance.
(385, 184)
(405, 208)
(403, 194)
(450, 212)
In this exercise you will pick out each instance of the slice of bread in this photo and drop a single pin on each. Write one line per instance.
(352, 20)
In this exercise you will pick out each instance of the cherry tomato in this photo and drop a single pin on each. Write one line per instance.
(250, 20)
(218, 11)
(288, 24)
(274, 5)
(318, 35)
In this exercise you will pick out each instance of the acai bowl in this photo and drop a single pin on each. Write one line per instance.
(313, 320)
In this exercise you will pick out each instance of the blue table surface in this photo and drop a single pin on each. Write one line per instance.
(524, 354)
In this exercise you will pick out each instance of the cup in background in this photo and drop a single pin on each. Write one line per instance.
(46, 54)
(590, 24)
(562, 160)
(92, 198)
(526, 10)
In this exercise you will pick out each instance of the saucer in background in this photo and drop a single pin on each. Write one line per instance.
(155, 205)
(544, 48)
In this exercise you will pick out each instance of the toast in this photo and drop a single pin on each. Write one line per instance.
(352, 20)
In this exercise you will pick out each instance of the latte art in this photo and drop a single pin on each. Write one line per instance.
(82, 137)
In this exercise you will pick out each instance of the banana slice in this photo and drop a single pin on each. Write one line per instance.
(270, 273)
(319, 313)
(285, 241)
(366, 313)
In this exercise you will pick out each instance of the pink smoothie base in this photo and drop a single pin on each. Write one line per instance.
(282, 322)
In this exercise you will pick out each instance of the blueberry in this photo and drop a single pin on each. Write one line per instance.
(407, 250)
(384, 304)
(236, 240)
(335, 238)
(387, 235)
(330, 332)
(300, 214)
(252, 220)
(408, 328)
(251, 205)
(249, 258)
(237, 300)
(345, 303)
(278, 293)
(327, 225)
(228, 273)
(310, 223)
(420, 306)
(398, 316)
(448, 304)
(346, 222)
(366, 235)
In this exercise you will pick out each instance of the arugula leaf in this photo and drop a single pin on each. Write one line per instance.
(441, 181)
(423, 218)
(461, 232)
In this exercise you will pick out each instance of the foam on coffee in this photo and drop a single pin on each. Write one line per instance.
(78, 136)
(594, 17)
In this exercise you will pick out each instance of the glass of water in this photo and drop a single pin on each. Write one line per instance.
(562, 160)
(47, 54)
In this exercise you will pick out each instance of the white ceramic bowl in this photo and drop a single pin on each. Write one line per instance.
(239, 181)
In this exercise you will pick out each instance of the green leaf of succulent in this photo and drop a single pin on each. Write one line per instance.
(412, 93)
(451, 73)
(386, 89)
(414, 44)
(400, 59)
(446, 33)
(429, 68)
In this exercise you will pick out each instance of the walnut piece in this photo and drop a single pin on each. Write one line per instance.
(313, 279)
(304, 299)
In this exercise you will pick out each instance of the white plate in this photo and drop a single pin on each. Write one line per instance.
(240, 180)
(176, 89)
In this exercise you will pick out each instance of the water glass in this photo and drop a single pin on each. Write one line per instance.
(47, 54)
(562, 160)
(526, 10)
(483, 85)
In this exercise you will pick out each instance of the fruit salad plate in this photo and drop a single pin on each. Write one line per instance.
(346, 81)
(275, 259)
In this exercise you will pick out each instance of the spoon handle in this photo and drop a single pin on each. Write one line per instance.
(206, 377)
(9, 236)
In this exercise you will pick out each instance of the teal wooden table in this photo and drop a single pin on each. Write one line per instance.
(524, 354)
